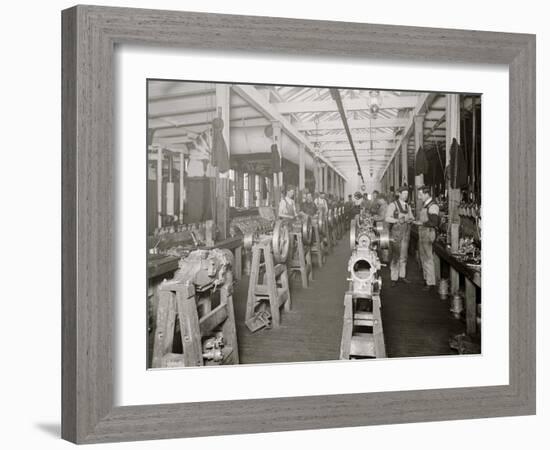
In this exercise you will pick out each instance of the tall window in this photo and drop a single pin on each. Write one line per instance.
(246, 192)
(233, 189)
(258, 190)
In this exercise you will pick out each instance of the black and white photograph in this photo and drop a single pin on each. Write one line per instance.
(291, 224)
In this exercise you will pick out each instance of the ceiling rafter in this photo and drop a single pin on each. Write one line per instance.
(250, 94)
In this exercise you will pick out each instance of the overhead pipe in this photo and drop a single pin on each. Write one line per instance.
(335, 93)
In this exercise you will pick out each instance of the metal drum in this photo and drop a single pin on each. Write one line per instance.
(280, 241)
(321, 222)
(307, 229)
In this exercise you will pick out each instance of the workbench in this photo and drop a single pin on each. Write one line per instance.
(160, 267)
(158, 264)
(235, 244)
(457, 270)
(472, 281)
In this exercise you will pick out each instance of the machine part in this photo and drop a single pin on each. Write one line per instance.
(206, 269)
(384, 239)
(248, 239)
(212, 348)
(363, 267)
(307, 229)
(280, 241)
(352, 236)
(321, 221)
(262, 319)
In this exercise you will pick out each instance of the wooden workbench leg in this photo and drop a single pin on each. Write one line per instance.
(302, 261)
(229, 328)
(309, 264)
(189, 325)
(272, 290)
(347, 329)
(377, 329)
(471, 307)
(437, 268)
(455, 280)
(252, 281)
(164, 328)
(238, 269)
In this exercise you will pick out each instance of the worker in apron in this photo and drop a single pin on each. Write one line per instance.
(399, 216)
(287, 206)
(309, 207)
(427, 226)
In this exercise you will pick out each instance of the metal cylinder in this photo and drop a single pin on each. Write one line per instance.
(443, 288)
(457, 305)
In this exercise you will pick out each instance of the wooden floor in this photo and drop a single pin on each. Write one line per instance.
(415, 323)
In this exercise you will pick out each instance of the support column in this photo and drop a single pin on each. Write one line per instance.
(316, 174)
(404, 162)
(302, 171)
(159, 186)
(418, 142)
(452, 131)
(183, 194)
(278, 176)
(325, 178)
(396, 176)
(223, 108)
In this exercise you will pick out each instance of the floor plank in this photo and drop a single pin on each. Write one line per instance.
(415, 323)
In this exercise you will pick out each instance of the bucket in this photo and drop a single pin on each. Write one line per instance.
(457, 305)
(443, 288)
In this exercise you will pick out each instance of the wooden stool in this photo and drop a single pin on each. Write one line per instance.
(300, 260)
(268, 282)
(197, 321)
(362, 333)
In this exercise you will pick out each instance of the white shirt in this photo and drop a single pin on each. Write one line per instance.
(287, 207)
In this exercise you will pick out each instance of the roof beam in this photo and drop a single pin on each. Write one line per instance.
(357, 104)
(335, 93)
(424, 102)
(258, 101)
(346, 147)
(363, 123)
(182, 94)
(357, 137)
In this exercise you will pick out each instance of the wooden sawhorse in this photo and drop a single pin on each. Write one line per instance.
(198, 321)
(268, 283)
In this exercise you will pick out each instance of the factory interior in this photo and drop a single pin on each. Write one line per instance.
(297, 223)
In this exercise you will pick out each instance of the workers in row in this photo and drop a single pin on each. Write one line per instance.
(310, 206)
(397, 213)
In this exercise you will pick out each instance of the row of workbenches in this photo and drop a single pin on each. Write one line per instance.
(461, 276)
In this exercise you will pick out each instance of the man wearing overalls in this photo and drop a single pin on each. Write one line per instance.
(399, 217)
(427, 226)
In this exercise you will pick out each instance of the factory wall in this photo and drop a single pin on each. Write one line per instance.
(354, 182)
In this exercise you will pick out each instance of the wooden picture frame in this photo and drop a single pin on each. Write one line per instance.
(89, 37)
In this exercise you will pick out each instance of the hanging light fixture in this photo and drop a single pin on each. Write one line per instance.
(375, 101)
